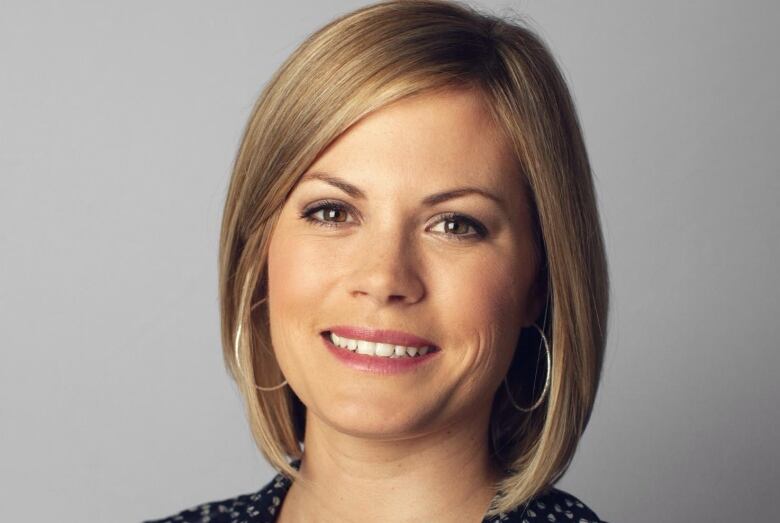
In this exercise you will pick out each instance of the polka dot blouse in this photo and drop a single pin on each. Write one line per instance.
(263, 506)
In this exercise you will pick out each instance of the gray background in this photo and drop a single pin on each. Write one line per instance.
(118, 126)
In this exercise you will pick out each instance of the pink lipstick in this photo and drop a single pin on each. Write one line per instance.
(380, 336)
(418, 351)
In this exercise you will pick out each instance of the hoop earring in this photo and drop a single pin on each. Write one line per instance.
(238, 362)
(546, 380)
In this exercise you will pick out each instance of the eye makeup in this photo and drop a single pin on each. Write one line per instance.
(330, 206)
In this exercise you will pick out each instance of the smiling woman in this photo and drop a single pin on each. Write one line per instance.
(413, 283)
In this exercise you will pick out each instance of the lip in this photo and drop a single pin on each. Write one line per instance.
(376, 364)
(381, 336)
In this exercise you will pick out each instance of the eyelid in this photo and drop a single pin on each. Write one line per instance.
(317, 206)
(306, 214)
(480, 231)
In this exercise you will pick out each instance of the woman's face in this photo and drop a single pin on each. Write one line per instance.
(457, 272)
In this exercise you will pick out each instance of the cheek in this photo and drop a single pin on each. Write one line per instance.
(488, 315)
(486, 291)
(298, 271)
(297, 277)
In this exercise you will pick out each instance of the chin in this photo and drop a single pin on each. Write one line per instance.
(376, 419)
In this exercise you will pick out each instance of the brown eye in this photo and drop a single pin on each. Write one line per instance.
(457, 226)
(333, 214)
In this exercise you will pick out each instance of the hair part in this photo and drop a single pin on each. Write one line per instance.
(357, 64)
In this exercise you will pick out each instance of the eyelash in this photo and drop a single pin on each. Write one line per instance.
(306, 214)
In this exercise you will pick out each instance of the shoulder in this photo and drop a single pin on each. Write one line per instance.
(554, 505)
(253, 507)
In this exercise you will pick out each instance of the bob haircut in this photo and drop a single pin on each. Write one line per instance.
(356, 64)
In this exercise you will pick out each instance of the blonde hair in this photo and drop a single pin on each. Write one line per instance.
(357, 64)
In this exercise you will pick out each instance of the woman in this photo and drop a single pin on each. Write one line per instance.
(413, 282)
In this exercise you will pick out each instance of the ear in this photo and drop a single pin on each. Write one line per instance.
(536, 299)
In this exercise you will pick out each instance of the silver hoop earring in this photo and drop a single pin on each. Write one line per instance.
(238, 362)
(546, 380)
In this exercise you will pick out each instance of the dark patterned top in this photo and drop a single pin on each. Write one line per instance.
(263, 506)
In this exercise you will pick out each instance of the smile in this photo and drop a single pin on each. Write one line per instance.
(384, 350)
(369, 356)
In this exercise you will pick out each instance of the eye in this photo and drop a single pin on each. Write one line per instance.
(332, 214)
(465, 222)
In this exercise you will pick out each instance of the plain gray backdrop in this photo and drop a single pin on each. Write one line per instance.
(119, 122)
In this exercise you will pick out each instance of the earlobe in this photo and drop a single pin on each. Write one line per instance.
(537, 298)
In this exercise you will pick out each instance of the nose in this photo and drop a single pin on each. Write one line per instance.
(387, 270)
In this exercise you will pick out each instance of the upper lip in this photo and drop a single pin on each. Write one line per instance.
(393, 337)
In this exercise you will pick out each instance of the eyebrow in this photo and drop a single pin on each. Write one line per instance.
(430, 200)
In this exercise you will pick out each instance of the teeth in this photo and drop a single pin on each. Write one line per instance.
(366, 347)
(384, 350)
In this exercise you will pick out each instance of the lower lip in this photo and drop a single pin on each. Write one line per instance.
(376, 364)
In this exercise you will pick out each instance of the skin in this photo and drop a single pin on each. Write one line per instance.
(412, 446)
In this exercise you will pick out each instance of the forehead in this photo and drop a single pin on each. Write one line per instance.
(441, 137)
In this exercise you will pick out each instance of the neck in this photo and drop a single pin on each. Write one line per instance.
(446, 475)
